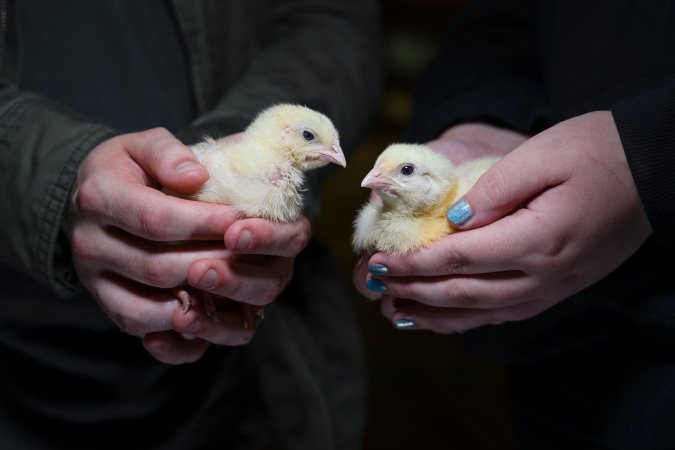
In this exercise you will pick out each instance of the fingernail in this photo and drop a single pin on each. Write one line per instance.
(375, 285)
(244, 241)
(378, 269)
(460, 213)
(187, 166)
(208, 280)
(405, 324)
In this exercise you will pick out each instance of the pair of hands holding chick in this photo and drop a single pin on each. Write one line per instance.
(136, 248)
(558, 212)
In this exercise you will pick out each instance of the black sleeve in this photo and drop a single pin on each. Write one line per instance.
(487, 70)
(646, 125)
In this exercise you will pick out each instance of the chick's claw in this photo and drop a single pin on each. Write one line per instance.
(186, 300)
(253, 315)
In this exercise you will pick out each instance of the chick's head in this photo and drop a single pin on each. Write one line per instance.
(411, 177)
(307, 137)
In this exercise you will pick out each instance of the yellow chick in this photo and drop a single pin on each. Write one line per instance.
(262, 174)
(415, 186)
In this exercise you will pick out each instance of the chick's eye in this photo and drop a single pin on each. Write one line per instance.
(407, 170)
(308, 135)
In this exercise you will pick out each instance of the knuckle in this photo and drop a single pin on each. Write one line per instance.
(80, 246)
(156, 273)
(156, 133)
(494, 316)
(458, 294)
(151, 221)
(300, 240)
(455, 261)
(240, 338)
(130, 325)
(268, 296)
(492, 187)
(88, 198)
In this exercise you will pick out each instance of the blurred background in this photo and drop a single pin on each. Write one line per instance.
(426, 392)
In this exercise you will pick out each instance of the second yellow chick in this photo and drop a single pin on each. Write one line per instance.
(415, 186)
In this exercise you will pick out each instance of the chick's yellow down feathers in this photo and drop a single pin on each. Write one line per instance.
(415, 186)
(262, 174)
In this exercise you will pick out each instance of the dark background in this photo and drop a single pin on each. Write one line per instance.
(426, 392)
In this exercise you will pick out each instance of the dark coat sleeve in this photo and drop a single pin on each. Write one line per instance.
(42, 145)
(645, 124)
(487, 70)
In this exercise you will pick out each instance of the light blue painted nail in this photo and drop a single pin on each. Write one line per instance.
(375, 285)
(378, 269)
(460, 213)
(405, 324)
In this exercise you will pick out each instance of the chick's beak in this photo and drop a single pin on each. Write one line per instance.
(333, 155)
(375, 181)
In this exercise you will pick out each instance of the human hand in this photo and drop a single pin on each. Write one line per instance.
(122, 232)
(460, 143)
(468, 141)
(554, 216)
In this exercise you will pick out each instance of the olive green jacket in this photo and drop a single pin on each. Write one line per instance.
(321, 53)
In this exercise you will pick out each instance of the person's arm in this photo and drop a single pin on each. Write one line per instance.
(486, 71)
(645, 125)
(43, 144)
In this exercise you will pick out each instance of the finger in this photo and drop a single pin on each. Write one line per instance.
(259, 236)
(458, 320)
(503, 187)
(493, 248)
(169, 348)
(166, 159)
(360, 278)
(520, 241)
(229, 329)
(493, 290)
(157, 264)
(136, 309)
(149, 213)
(256, 284)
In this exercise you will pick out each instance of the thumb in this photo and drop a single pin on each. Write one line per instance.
(167, 160)
(511, 181)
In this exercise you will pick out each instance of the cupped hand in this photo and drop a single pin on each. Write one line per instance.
(123, 231)
(554, 216)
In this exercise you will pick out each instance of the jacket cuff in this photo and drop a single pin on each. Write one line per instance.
(645, 125)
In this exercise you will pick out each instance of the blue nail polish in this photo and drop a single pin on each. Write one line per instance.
(405, 324)
(375, 285)
(460, 213)
(378, 269)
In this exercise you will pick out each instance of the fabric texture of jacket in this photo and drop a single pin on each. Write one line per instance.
(306, 357)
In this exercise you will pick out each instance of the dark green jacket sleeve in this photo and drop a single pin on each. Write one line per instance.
(42, 145)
